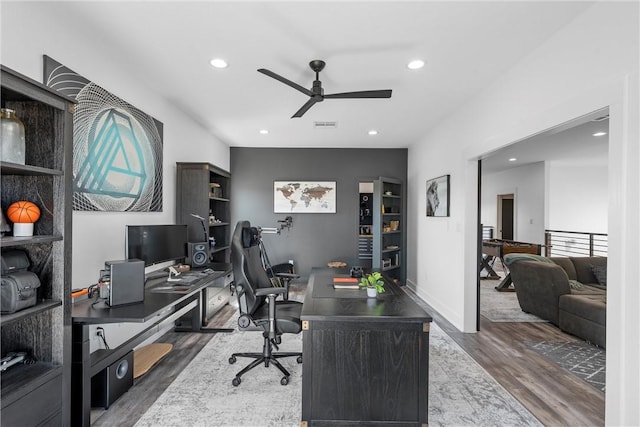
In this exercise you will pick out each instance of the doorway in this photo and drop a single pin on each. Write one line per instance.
(506, 216)
(566, 153)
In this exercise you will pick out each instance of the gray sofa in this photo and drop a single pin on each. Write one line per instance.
(564, 291)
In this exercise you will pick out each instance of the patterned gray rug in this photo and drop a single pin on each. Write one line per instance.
(461, 393)
(502, 306)
(582, 359)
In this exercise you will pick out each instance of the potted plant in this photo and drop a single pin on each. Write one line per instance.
(373, 282)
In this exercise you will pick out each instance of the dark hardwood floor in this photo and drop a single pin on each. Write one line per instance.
(554, 396)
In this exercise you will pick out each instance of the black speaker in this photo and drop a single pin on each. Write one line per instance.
(197, 254)
(112, 382)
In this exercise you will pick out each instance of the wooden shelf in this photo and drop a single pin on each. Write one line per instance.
(45, 305)
(9, 241)
(218, 199)
(220, 249)
(20, 379)
(8, 168)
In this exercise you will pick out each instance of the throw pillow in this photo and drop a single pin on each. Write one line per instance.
(601, 274)
(574, 284)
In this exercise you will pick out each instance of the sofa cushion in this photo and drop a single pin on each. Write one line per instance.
(583, 268)
(589, 290)
(567, 266)
(584, 316)
(600, 274)
(590, 307)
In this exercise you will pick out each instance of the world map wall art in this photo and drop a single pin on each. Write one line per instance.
(117, 149)
(304, 197)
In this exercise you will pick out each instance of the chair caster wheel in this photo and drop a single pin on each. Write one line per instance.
(299, 359)
(236, 381)
(284, 380)
(232, 360)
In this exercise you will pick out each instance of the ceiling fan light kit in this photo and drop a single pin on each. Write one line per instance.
(316, 93)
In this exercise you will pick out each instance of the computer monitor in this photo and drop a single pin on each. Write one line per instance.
(155, 244)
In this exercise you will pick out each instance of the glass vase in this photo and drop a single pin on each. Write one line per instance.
(12, 137)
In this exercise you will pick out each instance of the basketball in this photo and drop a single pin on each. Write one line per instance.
(23, 212)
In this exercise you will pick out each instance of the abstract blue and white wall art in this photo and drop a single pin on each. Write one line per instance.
(117, 149)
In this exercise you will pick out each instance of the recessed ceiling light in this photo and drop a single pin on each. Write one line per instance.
(219, 63)
(373, 132)
(513, 159)
(264, 131)
(599, 133)
(415, 64)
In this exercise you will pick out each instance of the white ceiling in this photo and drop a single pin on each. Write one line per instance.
(568, 143)
(466, 46)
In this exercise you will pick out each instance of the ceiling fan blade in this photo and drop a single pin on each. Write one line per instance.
(362, 94)
(305, 107)
(285, 81)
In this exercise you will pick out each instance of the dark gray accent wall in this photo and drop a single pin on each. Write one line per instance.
(314, 239)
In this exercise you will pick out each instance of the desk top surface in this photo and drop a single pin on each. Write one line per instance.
(322, 302)
(157, 299)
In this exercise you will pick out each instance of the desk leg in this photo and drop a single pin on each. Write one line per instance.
(197, 316)
(80, 376)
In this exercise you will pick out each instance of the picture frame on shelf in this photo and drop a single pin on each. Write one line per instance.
(438, 196)
(304, 196)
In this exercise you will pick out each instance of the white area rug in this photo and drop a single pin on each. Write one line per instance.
(461, 393)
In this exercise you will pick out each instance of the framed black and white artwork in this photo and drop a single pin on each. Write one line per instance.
(438, 196)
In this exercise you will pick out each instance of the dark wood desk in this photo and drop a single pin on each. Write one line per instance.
(364, 359)
(158, 306)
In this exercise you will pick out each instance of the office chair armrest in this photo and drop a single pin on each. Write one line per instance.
(261, 292)
(287, 278)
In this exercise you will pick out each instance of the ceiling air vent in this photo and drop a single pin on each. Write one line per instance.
(325, 125)
(600, 119)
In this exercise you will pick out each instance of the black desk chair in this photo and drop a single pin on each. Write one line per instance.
(258, 307)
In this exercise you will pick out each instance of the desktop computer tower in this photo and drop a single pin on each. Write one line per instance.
(112, 382)
(126, 279)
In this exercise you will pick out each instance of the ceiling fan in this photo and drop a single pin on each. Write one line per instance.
(316, 93)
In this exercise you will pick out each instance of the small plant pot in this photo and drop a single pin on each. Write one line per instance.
(371, 292)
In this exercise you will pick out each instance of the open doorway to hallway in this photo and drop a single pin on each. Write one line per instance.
(555, 180)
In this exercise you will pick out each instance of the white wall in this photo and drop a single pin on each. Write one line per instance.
(578, 197)
(590, 64)
(527, 184)
(30, 30)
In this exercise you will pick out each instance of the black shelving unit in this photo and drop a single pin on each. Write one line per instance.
(203, 189)
(389, 228)
(39, 393)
